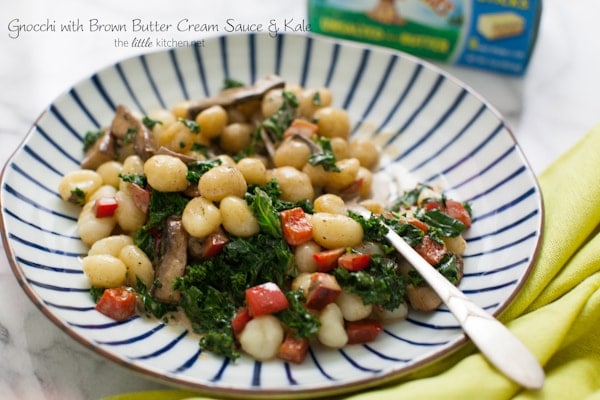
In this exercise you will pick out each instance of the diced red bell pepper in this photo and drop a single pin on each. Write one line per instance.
(431, 204)
(106, 207)
(240, 319)
(140, 196)
(327, 260)
(213, 244)
(296, 227)
(363, 331)
(457, 210)
(431, 250)
(265, 299)
(322, 290)
(117, 303)
(354, 261)
(293, 349)
(301, 127)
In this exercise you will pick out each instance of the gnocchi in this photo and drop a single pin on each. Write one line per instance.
(261, 337)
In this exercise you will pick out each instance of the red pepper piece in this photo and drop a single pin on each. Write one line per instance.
(117, 303)
(265, 299)
(354, 261)
(240, 319)
(105, 207)
(296, 227)
(328, 259)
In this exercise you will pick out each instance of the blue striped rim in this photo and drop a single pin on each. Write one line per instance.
(319, 366)
(37, 182)
(306, 63)
(357, 365)
(529, 236)
(509, 204)
(441, 120)
(102, 91)
(133, 339)
(252, 60)
(103, 326)
(38, 227)
(163, 349)
(486, 168)
(502, 268)
(219, 374)
(437, 327)
(180, 78)
(69, 307)
(289, 375)
(491, 288)
(386, 356)
(413, 116)
(414, 342)
(377, 93)
(356, 79)
(130, 91)
(73, 160)
(45, 249)
(505, 228)
(256, 374)
(151, 81)
(451, 139)
(56, 288)
(333, 64)
(75, 96)
(201, 71)
(403, 94)
(189, 362)
(224, 58)
(59, 270)
(279, 41)
(25, 199)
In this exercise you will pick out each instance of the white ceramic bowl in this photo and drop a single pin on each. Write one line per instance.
(429, 125)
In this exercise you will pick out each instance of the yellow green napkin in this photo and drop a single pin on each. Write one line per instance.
(556, 315)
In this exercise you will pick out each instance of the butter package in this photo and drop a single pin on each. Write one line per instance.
(495, 35)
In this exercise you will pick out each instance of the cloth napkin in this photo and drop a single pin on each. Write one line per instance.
(556, 314)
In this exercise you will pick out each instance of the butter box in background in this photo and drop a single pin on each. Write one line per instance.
(495, 35)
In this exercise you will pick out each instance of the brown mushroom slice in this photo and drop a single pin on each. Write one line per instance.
(103, 150)
(183, 157)
(124, 124)
(172, 261)
(237, 95)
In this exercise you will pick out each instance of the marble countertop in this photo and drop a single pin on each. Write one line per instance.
(549, 109)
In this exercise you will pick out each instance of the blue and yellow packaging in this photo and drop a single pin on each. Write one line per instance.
(495, 35)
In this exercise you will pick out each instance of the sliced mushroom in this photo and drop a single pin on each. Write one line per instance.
(124, 124)
(183, 157)
(172, 261)
(103, 150)
(237, 95)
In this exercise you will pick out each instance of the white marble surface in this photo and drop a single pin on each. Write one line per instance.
(548, 109)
